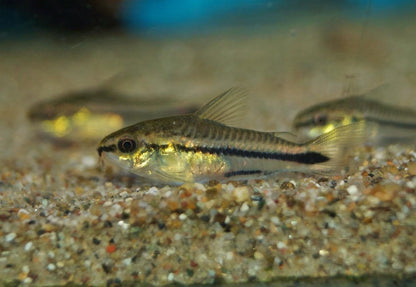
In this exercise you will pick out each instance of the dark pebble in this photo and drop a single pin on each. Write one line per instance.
(161, 225)
(107, 268)
(190, 272)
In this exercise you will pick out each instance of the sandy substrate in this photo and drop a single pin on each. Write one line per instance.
(64, 220)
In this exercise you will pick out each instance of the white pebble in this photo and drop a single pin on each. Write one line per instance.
(352, 190)
(323, 252)
(10, 237)
(88, 161)
(28, 246)
(200, 186)
(22, 211)
(27, 280)
(25, 269)
(153, 190)
(227, 220)
(275, 220)
(124, 194)
(241, 194)
(123, 225)
(183, 216)
(171, 276)
(127, 261)
(115, 209)
(244, 207)
(51, 267)
(277, 261)
(281, 245)
(229, 255)
(107, 204)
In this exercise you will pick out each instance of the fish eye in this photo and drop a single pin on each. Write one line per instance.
(320, 119)
(126, 145)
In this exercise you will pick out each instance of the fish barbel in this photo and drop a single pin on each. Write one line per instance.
(205, 146)
(384, 123)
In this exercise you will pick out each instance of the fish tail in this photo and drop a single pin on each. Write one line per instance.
(337, 145)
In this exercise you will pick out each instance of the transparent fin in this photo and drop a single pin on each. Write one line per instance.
(289, 136)
(337, 144)
(382, 92)
(170, 178)
(227, 108)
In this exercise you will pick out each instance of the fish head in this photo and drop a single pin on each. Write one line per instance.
(127, 148)
(316, 121)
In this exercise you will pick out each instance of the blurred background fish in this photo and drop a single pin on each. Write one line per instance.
(88, 115)
(386, 123)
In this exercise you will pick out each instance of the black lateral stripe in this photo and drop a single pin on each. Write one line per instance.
(109, 148)
(241, 172)
(393, 123)
(305, 158)
(306, 123)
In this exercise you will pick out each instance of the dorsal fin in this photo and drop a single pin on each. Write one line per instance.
(289, 136)
(227, 108)
(377, 93)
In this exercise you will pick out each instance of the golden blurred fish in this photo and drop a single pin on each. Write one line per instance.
(203, 146)
(90, 115)
(385, 123)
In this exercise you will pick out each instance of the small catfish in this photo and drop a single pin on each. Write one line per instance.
(385, 124)
(89, 115)
(205, 146)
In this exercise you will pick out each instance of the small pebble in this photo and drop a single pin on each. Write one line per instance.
(23, 214)
(352, 190)
(51, 267)
(25, 269)
(258, 255)
(241, 193)
(10, 237)
(323, 252)
(127, 261)
(244, 207)
(275, 220)
(28, 246)
(183, 216)
(111, 248)
(281, 245)
(153, 190)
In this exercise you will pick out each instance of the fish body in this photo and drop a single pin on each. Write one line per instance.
(385, 123)
(203, 146)
(90, 115)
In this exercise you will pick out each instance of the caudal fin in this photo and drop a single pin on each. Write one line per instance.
(337, 146)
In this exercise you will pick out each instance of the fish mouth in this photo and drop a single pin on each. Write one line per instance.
(110, 148)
